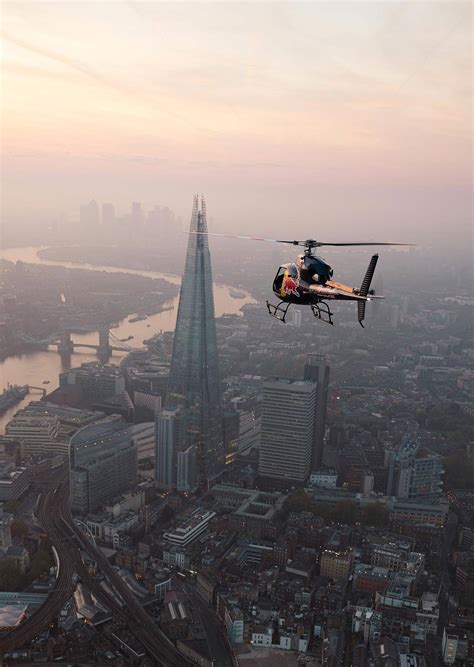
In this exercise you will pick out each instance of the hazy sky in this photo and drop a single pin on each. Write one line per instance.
(345, 118)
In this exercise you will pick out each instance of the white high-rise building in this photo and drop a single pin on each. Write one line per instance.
(175, 462)
(286, 441)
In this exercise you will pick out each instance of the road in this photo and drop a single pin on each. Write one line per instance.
(219, 648)
(447, 541)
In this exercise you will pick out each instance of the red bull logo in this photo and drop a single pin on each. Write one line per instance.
(290, 285)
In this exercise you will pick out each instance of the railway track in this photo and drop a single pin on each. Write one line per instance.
(55, 517)
(155, 642)
(48, 517)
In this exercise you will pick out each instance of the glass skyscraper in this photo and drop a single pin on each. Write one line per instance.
(194, 377)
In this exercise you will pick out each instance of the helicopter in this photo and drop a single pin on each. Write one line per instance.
(308, 281)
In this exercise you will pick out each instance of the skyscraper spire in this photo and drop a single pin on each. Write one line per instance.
(194, 377)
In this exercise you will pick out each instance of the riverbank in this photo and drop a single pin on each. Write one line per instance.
(40, 301)
(36, 366)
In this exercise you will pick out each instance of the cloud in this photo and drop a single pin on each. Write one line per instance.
(76, 65)
(94, 75)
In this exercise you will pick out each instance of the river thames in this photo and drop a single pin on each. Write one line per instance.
(41, 368)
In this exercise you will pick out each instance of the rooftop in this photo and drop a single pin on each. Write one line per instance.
(101, 429)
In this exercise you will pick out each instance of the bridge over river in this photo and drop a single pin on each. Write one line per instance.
(107, 343)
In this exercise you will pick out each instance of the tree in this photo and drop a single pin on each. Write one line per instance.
(345, 512)
(167, 514)
(11, 506)
(374, 514)
(41, 562)
(299, 501)
(459, 471)
(19, 529)
(10, 575)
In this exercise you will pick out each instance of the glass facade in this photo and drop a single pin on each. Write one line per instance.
(194, 377)
(103, 463)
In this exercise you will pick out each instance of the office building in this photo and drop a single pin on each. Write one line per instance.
(337, 564)
(97, 381)
(427, 512)
(190, 529)
(103, 463)
(287, 431)
(137, 215)
(418, 472)
(13, 481)
(194, 376)
(175, 460)
(36, 434)
(317, 370)
(231, 430)
(89, 216)
(170, 438)
(324, 478)
(108, 215)
(296, 317)
(186, 468)
(144, 438)
(6, 520)
(70, 419)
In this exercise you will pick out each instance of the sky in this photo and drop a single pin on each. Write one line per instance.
(318, 119)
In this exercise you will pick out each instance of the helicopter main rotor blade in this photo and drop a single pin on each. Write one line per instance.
(310, 243)
(247, 238)
(319, 244)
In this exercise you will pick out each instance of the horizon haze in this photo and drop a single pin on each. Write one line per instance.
(344, 121)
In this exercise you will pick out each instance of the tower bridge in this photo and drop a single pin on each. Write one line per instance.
(107, 344)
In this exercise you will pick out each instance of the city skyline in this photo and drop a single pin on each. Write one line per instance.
(188, 477)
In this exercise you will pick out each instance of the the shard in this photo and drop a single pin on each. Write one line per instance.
(194, 381)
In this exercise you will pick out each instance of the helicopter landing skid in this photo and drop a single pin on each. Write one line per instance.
(279, 311)
(322, 312)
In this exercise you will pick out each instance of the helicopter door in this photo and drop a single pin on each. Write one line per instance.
(278, 282)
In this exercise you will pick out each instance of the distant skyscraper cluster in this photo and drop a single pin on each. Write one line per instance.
(158, 221)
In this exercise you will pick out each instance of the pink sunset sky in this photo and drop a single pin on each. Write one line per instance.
(286, 115)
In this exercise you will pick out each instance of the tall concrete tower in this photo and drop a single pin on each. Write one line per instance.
(316, 370)
(194, 377)
(286, 440)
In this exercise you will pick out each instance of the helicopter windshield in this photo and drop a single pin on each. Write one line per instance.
(278, 281)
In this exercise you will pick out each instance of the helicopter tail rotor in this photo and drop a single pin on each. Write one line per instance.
(365, 287)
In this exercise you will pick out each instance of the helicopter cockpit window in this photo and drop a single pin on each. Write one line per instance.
(277, 283)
